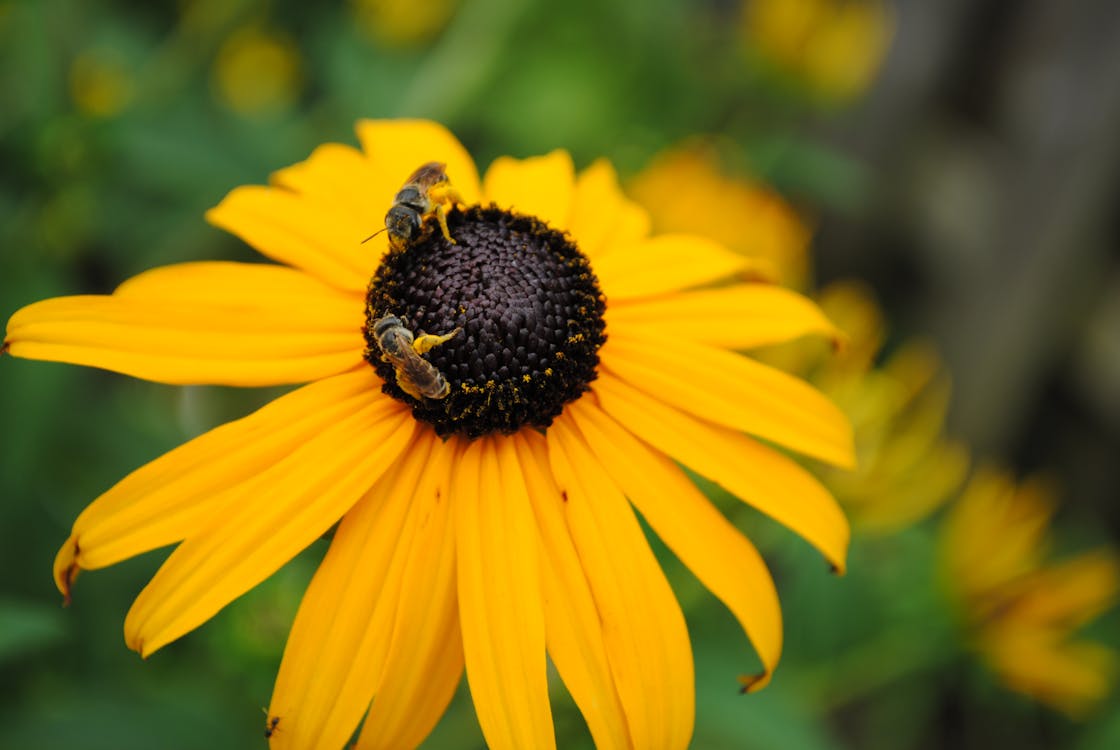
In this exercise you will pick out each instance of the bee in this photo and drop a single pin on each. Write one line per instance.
(270, 726)
(417, 377)
(427, 191)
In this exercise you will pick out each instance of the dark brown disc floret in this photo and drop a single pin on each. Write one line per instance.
(529, 307)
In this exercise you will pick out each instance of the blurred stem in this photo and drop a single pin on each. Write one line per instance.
(873, 666)
(455, 71)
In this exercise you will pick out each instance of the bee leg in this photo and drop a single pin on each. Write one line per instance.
(441, 217)
(445, 195)
(426, 341)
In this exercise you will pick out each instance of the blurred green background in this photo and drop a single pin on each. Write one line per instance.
(970, 173)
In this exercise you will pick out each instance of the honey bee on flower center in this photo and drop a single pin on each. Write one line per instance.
(427, 191)
(416, 376)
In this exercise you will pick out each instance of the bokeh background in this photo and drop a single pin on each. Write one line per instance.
(958, 161)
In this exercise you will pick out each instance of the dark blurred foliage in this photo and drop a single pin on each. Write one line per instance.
(975, 185)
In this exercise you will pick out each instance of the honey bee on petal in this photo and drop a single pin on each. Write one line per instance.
(427, 191)
(416, 376)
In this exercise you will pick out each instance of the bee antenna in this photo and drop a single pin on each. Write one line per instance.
(367, 239)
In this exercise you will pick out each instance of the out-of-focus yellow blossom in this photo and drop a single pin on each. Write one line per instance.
(907, 468)
(1021, 611)
(257, 72)
(404, 23)
(685, 190)
(100, 83)
(835, 46)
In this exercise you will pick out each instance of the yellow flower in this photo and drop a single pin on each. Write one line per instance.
(907, 467)
(512, 533)
(100, 83)
(685, 190)
(404, 23)
(257, 72)
(835, 46)
(1020, 610)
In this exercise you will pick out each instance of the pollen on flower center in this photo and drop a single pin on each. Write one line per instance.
(529, 309)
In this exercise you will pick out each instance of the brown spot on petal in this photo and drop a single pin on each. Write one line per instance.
(748, 682)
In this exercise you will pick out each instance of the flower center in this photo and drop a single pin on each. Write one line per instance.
(529, 313)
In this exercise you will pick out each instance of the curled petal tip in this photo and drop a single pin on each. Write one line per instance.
(66, 569)
(749, 683)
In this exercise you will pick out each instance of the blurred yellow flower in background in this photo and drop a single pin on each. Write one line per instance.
(907, 467)
(685, 189)
(404, 23)
(101, 84)
(1021, 611)
(257, 72)
(834, 46)
(897, 407)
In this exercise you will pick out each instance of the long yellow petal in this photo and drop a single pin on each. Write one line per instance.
(500, 602)
(541, 186)
(336, 649)
(733, 317)
(320, 239)
(756, 474)
(340, 176)
(179, 493)
(269, 520)
(425, 658)
(224, 323)
(643, 627)
(340, 639)
(602, 217)
(397, 147)
(714, 550)
(669, 263)
(733, 391)
(573, 625)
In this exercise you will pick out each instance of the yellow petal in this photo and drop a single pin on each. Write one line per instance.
(322, 240)
(181, 492)
(698, 534)
(573, 626)
(756, 474)
(541, 186)
(500, 602)
(340, 640)
(269, 520)
(1069, 593)
(1071, 676)
(602, 217)
(425, 659)
(733, 391)
(668, 263)
(397, 147)
(222, 323)
(342, 177)
(734, 317)
(644, 630)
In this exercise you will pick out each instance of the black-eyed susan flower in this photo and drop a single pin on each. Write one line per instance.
(493, 525)
(1020, 611)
